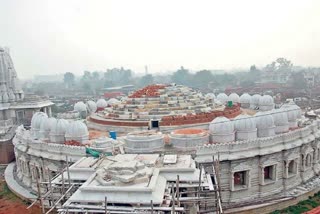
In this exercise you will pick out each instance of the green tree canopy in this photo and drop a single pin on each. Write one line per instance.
(68, 79)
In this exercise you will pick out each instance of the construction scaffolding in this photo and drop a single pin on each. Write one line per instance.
(203, 196)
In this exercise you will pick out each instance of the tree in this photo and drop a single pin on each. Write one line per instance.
(68, 79)
(253, 68)
(181, 76)
(280, 65)
(86, 82)
(202, 78)
(146, 80)
(298, 81)
(95, 75)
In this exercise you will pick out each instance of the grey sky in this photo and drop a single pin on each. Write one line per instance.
(57, 36)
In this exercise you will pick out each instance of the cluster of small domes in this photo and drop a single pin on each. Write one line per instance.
(263, 103)
(91, 106)
(262, 124)
(58, 130)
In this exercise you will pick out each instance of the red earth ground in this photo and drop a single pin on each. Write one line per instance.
(11, 204)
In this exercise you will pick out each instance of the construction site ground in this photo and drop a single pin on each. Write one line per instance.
(10, 203)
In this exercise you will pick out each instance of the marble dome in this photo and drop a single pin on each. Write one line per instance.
(210, 96)
(102, 103)
(222, 97)
(293, 112)
(234, 98)
(265, 124)
(266, 103)
(280, 116)
(80, 107)
(91, 106)
(77, 131)
(46, 125)
(254, 103)
(264, 119)
(221, 125)
(58, 130)
(281, 122)
(244, 122)
(245, 100)
(36, 120)
(221, 130)
(245, 127)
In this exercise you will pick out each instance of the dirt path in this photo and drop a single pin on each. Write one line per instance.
(11, 204)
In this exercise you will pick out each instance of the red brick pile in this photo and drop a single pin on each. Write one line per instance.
(177, 119)
(148, 91)
(73, 143)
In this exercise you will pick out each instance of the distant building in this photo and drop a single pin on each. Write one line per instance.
(280, 77)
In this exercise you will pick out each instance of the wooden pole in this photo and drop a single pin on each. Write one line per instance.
(58, 201)
(105, 205)
(63, 187)
(151, 206)
(178, 191)
(68, 172)
(173, 201)
(50, 188)
(39, 191)
(199, 187)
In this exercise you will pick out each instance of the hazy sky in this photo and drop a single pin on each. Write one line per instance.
(58, 36)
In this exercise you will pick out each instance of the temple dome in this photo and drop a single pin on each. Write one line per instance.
(254, 103)
(264, 120)
(280, 116)
(77, 131)
(234, 98)
(222, 97)
(221, 130)
(244, 122)
(266, 103)
(265, 124)
(210, 96)
(46, 125)
(293, 112)
(245, 100)
(245, 127)
(101, 103)
(221, 125)
(58, 130)
(91, 106)
(37, 119)
(80, 107)
(280, 120)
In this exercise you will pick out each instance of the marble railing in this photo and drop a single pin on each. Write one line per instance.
(48, 150)
(259, 146)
